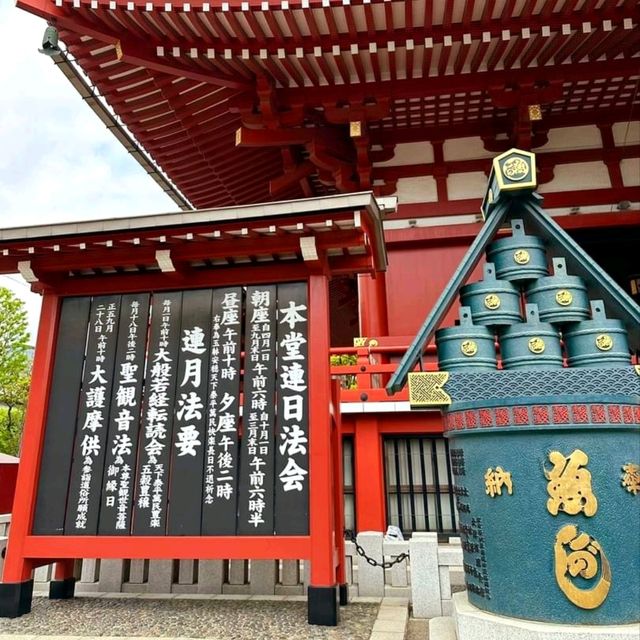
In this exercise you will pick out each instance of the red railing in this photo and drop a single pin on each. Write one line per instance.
(372, 369)
(375, 364)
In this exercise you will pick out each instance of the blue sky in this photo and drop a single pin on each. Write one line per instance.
(58, 161)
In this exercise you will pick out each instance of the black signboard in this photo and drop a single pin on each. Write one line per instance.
(255, 509)
(220, 497)
(292, 427)
(83, 503)
(152, 475)
(143, 434)
(190, 415)
(124, 420)
(62, 414)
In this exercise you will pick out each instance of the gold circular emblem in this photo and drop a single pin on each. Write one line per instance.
(521, 256)
(536, 345)
(515, 168)
(564, 297)
(492, 301)
(604, 342)
(469, 348)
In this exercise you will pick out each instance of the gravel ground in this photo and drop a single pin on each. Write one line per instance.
(212, 619)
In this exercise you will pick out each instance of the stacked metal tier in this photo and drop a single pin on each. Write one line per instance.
(531, 313)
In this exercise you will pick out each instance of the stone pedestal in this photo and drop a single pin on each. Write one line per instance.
(474, 624)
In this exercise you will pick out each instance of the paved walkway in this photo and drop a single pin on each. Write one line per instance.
(214, 618)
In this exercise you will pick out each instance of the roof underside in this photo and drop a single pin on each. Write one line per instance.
(293, 75)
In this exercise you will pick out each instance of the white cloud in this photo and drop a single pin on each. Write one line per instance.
(58, 161)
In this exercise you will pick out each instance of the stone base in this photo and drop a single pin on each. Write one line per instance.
(62, 589)
(474, 624)
(323, 607)
(15, 598)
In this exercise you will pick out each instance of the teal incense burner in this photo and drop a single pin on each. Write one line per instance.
(545, 445)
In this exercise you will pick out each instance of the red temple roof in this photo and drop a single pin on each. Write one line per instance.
(245, 101)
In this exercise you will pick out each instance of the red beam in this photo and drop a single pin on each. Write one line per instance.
(582, 198)
(546, 160)
(492, 126)
(183, 547)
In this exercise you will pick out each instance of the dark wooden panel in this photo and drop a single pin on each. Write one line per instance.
(152, 474)
(255, 508)
(124, 419)
(220, 498)
(190, 416)
(292, 429)
(83, 504)
(57, 451)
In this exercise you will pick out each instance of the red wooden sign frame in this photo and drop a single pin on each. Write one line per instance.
(324, 546)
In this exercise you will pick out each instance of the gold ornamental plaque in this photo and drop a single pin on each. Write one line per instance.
(515, 168)
(631, 478)
(469, 348)
(604, 342)
(564, 298)
(579, 554)
(536, 345)
(492, 301)
(521, 256)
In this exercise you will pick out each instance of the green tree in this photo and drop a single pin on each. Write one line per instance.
(15, 369)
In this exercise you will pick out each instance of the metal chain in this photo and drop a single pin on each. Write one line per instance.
(372, 561)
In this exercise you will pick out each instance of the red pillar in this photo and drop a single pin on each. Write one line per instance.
(369, 475)
(338, 493)
(322, 593)
(15, 594)
(372, 301)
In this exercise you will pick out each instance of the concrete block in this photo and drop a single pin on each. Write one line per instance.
(90, 571)
(456, 577)
(111, 575)
(210, 576)
(41, 577)
(442, 628)
(238, 572)
(445, 582)
(395, 602)
(290, 573)
(43, 574)
(474, 624)
(235, 589)
(398, 574)
(160, 576)
(397, 592)
(450, 555)
(138, 571)
(447, 607)
(263, 577)
(186, 571)
(425, 580)
(370, 579)
(184, 589)
(289, 590)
